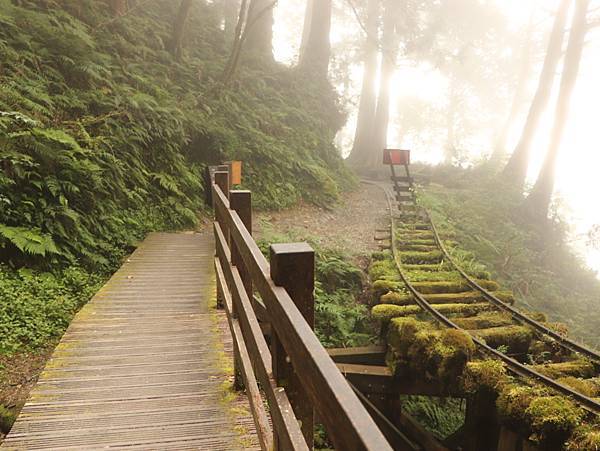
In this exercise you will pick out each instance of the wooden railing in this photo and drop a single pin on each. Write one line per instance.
(276, 353)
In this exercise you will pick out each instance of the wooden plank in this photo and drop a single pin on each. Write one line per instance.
(259, 414)
(364, 355)
(282, 414)
(293, 267)
(348, 423)
(137, 368)
(397, 439)
(369, 379)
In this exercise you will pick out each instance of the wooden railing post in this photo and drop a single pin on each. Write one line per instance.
(222, 181)
(293, 267)
(240, 201)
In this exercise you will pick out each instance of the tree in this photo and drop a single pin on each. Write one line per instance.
(388, 65)
(368, 95)
(248, 19)
(306, 26)
(258, 33)
(175, 44)
(118, 7)
(538, 201)
(318, 47)
(516, 168)
(499, 152)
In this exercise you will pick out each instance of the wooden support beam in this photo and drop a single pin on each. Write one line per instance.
(293, 268)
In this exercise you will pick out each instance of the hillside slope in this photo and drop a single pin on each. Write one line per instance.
(104, 135)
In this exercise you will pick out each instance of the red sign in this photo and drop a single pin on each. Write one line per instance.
(396, 157)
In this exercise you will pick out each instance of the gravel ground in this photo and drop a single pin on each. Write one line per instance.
(349, 226)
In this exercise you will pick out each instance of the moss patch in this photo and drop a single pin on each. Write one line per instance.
(517, 338)
(452, 286)
(576, 368)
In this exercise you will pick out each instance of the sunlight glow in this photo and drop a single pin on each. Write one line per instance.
(578, 184)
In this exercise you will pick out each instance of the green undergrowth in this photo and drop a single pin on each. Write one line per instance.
(535, 262)
(440, 416)
(340, 319)
(36, 307)
(104, 135)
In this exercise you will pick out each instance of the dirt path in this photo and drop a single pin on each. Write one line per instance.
(349, 226)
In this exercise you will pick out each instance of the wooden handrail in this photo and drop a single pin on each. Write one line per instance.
(349, 425)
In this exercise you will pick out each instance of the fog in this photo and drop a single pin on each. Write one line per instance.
(418, 83)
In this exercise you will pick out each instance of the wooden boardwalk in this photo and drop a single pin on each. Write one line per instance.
(142, 366)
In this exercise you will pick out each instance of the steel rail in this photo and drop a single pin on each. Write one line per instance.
(513, 366)
(516, 314)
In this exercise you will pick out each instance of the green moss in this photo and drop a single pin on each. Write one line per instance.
(553, 418)
(488, 375)
(587, 387)
(517, 338)
(396, 298)
(385, 312)
(7, 419)
(576, 368)
(452, 286)
(381, 255)
(464, 309)
(416, 242)
(433, 276)
(559, 328)
(414, 257)
(383, 269)
(512, 404)
(536, 316)
(417, 247)
(484, 321)
(383, 286)
(418, 350)
(443, 266)
(585, 438)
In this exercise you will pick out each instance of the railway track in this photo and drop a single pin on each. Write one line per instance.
(457, 300)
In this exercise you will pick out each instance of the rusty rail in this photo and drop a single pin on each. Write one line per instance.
(295, 374)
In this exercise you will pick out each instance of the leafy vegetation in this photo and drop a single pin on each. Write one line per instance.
(36, 307)
(341, 320)
(104, 135)
(537, 264)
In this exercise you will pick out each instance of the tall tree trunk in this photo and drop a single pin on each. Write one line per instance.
(368, 94)
(236, 48)
(499, 153)
(516, 168)
(306, 27)
(175, 45)
(228, 10)
(539, 199)
(258, 33)
(388, 66)
(118, 7)
(318, 47)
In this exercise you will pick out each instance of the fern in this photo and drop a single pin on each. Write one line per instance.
(27, 240)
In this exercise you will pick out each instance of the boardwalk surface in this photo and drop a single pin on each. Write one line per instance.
(142, 365)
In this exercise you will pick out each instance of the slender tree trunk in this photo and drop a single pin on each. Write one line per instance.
(236, 48)
(388, 66)
(516, 168)
(538, 201)
(306, 28)
(118, 7)
(368, 95)
(499, 153)
(318, 46)
(259, 28)
(228, 10)
(175, 46)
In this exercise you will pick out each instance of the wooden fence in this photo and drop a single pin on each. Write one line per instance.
(277, 355)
